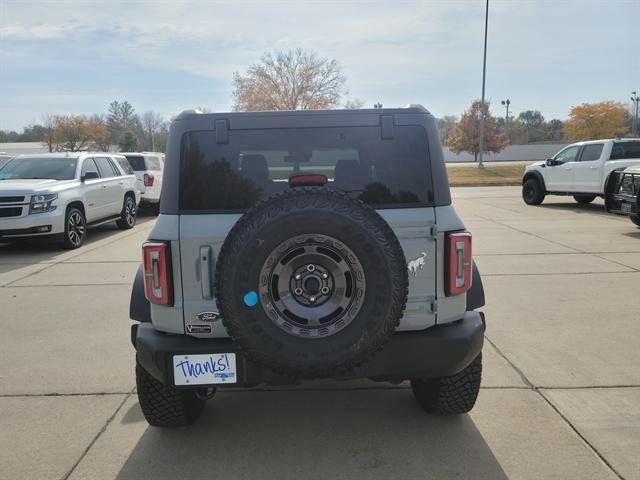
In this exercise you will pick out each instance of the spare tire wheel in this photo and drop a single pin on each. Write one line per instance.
(311, 283)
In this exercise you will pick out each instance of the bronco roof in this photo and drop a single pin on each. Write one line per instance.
(412, 108)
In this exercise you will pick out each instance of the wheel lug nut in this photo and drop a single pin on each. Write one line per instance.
(298, 291)
(311, 267)
(325, 290)
(298, 277)
(324, 275)
(312, 299)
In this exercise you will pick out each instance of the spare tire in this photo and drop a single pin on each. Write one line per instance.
(311, 283)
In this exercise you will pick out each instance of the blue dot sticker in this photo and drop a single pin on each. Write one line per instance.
(250, 299)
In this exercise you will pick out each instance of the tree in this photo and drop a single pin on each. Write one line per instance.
(446, 125)
(533, 126)
(466, 134)
(531, 118)
(74, 133)
(128, 141)
(50, 137)
(101, 135)
(593, 121)
(293, 80)
(354, 104)
(122, 116)
(556, 129)
(151, 124)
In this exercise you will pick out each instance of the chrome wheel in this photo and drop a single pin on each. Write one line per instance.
(312, 286)
(130, 211)
(76, 228)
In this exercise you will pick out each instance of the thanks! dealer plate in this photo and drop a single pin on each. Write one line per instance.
(204, 369)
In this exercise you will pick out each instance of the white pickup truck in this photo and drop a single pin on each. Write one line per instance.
(581, 169)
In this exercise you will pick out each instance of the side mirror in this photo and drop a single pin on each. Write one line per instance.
(89, 176)
(551, 162)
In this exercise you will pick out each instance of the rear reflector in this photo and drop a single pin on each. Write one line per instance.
(459, 261)
(157, 272)
(148, 180)
(307, 180)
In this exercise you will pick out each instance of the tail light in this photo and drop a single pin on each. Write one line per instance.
(459, 262)
(157, 272)
(148, 180)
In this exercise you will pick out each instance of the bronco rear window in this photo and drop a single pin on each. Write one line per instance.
(233, 176)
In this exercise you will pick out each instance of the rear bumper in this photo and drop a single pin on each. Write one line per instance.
(145, 200)
(439, 351)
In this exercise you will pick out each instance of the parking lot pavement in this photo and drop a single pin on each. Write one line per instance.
(561, 384)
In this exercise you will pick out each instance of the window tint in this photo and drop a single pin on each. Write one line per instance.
(136, 162)
(105, 168)
(124, 165)
(568, 154)
(152, 163)
(88, 166)
(625, 151)
(591, 152)
(55, 168)
(257, 163)
(115, 168)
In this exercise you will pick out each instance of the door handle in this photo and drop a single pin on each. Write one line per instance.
(104, 186)
(205, 271)
(593, 168)
(120, 183)
(568, 168)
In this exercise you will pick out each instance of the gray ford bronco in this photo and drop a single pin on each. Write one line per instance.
(305, 245)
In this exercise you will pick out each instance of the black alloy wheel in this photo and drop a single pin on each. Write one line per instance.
(312, 286)
(129, 212)
(75, 229)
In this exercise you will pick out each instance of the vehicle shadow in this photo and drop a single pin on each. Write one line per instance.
(24, 254)
(327, 434)
(591, 208)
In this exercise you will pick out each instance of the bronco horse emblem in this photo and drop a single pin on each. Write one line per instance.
(418, 263)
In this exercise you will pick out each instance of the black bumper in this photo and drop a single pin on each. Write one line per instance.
(439, 351)
(623, 205)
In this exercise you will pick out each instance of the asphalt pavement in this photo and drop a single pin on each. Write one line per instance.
(561, 385)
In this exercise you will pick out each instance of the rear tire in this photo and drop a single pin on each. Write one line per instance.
(129, 213)
(164, 406)
(532, 192)
(450, 395)
(635, 219)
(584, 199)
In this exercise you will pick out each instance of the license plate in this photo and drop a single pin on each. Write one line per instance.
(625, 207)
(204, 369)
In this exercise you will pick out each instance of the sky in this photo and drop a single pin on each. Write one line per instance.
(76, 57)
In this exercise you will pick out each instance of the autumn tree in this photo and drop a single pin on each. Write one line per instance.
(293, 80)
(593, 121)
(50, 138)
(466, 134)
(74, 133)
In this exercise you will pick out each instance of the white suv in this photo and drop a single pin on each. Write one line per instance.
(148, 167)
(63, 194)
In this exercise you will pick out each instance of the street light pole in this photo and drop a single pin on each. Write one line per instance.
(484, 74)
(634, 125)
(506, 103)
